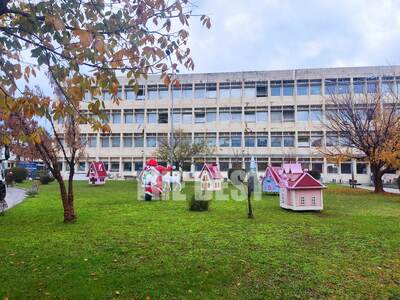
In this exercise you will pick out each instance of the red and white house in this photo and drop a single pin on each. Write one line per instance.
(300, 191)
(211, 178)
(97, 173)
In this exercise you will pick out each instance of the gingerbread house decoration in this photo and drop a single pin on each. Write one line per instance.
(270, 180)
(97, 173)
(300, 191)
(211, 178)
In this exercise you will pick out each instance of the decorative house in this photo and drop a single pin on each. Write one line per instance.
(97, 173)
(211, 178)
(292, 168)
(270, 180)
(300, 192)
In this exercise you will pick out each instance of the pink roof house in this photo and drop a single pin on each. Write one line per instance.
(271, 178)
(211, 178)
(300, 191)
(97, 173)
(292, 168)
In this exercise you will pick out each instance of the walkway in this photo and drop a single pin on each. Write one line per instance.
(14, 196)
(387, 190)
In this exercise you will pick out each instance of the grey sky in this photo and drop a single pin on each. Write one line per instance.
(286, 34)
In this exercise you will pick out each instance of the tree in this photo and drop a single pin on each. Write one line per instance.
(82, 46)
(181, 148)
(368, 126)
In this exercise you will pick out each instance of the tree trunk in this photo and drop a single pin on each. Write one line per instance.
(377, 178)
(69, 213)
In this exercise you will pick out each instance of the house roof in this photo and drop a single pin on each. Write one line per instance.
(274, 172)
(304, 181)
(294, 168)
(99, 168)
(213, 170)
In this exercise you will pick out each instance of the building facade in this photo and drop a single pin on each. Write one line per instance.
(275, 116)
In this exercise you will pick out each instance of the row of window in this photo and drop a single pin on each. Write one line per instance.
(251, 89)
(300, 139)
(225, 164)
(276, 114)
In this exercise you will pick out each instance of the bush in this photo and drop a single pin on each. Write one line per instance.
(44, 177)
(20, 174)
(316, 174)
(398, 182)
(199, 204)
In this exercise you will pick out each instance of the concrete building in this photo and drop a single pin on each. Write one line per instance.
(275, 116)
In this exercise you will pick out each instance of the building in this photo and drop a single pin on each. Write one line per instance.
(275, 116)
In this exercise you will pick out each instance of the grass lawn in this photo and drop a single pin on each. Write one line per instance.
(127, 249)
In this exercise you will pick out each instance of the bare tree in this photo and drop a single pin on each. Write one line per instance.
(368, 126)
(182, 149)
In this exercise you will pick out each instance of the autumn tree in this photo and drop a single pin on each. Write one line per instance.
(368, 126)
(82, 46)
(180, 149)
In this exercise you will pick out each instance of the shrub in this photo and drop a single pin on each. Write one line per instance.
(20, 174)
(316, 174)
(44, 177)
(199, 204)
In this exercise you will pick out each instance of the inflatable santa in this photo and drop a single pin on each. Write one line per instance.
(153, 174)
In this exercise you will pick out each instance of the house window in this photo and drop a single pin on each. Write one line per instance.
(313, 200)
(302, 200)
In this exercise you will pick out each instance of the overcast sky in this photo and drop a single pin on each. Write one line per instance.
(288, 34)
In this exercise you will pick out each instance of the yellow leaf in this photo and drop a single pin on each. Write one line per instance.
(85, 37)
(99, 45)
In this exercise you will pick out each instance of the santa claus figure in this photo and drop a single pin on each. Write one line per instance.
(153, 174)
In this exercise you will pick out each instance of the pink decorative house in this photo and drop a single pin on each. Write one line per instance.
(271, 178)
(300, 191)
(211, 178)
(97, 173)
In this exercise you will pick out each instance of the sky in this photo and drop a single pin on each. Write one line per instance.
(251, 35)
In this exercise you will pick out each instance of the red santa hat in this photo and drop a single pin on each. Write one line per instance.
(152, 162)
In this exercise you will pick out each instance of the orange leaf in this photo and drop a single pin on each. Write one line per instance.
(85, 37)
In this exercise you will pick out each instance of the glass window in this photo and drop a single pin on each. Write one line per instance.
(116, 117)
(249, 141)
(88, 96)
(358, 85)
(224, 90)
(288, 141)
(316, 115)
(187, 91)
(345, 168)
(138, 165)
(388, 85)
(129, 94)
(249, 89)
(127, 166)
(176, 117)
(361, 168)
(163, 117)
(276, 88)
(262, 89)
(332, 168)
(128, 117)
(262, 116)
(106, 95)
(262, 140)
(140, 94)
(151, 141)
(211, 115)
(236, 89)
(105, 141)
(199, 91)
(315, 87)
(236, 140)
(224, 115)
(316, 140)
(152, 92)
(187, 118)
(128, 140)
(288, 87)
(114, 167)
(302, 87)
(303, 115)
(236, 116)
(92, 141)
(139, 140)
(276, 141)
(199, 117)
(332, 140)
(177, 92)
(211, 140)
(344, 85)
(163, 92)
(82, 166)
(249, 116)
(288, 116)
(224, 140)
(330, 86)
(372, 85)
(303, 141)
(152, 117)
(139, 117)
(224, 165)
(115, 141)
(276, 116)
(211, 89)
(317, 167)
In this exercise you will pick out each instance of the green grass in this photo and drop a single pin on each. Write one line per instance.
(127, 249)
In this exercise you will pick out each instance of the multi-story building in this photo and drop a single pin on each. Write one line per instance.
(275, 116)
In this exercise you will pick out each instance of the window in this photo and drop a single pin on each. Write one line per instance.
(129, 93)
(236, 139)
(303, 114)
(128, 116)
(105, 141)
(116, 117)
(138, 165)
(177, 92)
(199, 91)
(162, 116)
(345, 168)
(276, 114)
(211, 139)
(211, 114)
(276, 139)
(330, 86)
(151, 140)
(138, 140)
(372, 85)
(224, 140)
(224, 115)
(316, 114)
(262, 139)
(262, 115)
(332, 139)
(288, 139)
(249, 89)
(313, 201)
(303, 140)
(302, 200)
(224, 90)
(187, 116)
(358, 85)
(236, 89)
(211, 90)
(302, 87)
(128, 140)
(114, 167)
(176, 116)
(224, 164)
(344, 85)
(139, 116)
(361, 168)
(187, 91)
(332, 168)
(88, 96)
(316, 139)
(106, 95)
(288, 87)
(152, 117)
(115, 141)
(236, 114)
(288, 114)
(249, 140)
(262, 89)
(163, 92)
(276, 88)
(81, 166)
(152, 92)
(315, 87)
(127, 166)
(249, 115)
(92, 141)
(388, 85)
(140, 94)
(199, 138)
(200, 116)
(317, 166)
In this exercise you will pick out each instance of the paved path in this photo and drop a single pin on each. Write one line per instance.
(387, 190)
(14, 196)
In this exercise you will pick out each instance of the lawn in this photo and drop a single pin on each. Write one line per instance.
(126, 249)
